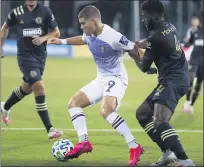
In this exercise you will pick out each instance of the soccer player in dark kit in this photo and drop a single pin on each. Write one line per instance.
(195, 68)
(163, 48)
(33, 22)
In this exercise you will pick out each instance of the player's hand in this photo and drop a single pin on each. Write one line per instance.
(152, 71)
(141, 44)
(38, 40)
(54, 40)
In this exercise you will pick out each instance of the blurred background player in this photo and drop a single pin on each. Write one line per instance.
(163, 48)
(194, 26)
(33, 21)
(106, 46)
(196, 68)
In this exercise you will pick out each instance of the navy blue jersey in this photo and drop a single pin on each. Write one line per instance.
(30, 25)
(164, 49)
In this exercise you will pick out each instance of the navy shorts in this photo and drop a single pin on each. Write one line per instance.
(198, 69)
(32, 70)
(167, 94)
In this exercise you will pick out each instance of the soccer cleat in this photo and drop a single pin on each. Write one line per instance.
(191, 109)
(187, 107)
(166, 158)
(135, 154)
(5, 114)
(54, 133)
(80, 148)
(182, 163)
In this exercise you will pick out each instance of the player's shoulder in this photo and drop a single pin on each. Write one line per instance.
(17, 11)
(109, 30)
(109, 35)
(45, 8)
(154, 37)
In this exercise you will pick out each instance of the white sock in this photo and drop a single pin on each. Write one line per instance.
(79, 122)
(118, 123)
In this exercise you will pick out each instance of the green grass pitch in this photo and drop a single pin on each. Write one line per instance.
(63, 77)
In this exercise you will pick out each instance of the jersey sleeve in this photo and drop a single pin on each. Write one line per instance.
(11, 19)
(122, 43)
(52, 23)
(149, 55)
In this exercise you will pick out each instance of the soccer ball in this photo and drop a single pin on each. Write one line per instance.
(60, 148)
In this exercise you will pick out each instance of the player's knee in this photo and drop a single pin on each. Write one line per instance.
(140, 114)
(38, 88)
(159, 119)
(143, 113)
(73, 103)
(108, 106)
(27, 90)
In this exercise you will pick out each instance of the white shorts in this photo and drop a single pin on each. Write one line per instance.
(105, 86)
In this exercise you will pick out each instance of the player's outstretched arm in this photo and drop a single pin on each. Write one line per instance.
(4, 33)
(40, 39)
(142, 60)
(68, 41)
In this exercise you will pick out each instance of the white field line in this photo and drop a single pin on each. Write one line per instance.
(94, 130)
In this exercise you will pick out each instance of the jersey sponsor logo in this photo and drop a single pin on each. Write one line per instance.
(102, 48)
(38, 20)
(169, 30)
(124, 40)
(32, 32)
(148, 45)
(199, 42)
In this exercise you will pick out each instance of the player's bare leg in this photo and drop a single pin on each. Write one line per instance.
(75, 106)
(109, 107)
(17, 95)
(144, 116)
(162, 115)
(41, 107)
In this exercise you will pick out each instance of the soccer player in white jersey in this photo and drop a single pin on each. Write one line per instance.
(107, 47)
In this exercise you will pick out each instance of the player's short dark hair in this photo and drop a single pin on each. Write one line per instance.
(89, 12)
(153, 6)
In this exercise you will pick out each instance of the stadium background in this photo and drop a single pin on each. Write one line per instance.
(68, 69)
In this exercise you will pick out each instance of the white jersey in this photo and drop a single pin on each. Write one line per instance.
(107, 50)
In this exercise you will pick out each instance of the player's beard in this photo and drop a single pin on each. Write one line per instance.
(150, 25)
